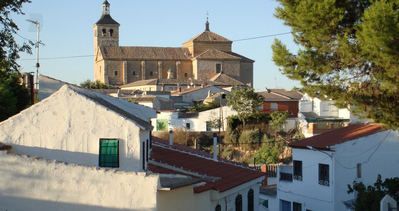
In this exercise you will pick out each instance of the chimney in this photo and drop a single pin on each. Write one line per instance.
(215, 147)
(170, 137)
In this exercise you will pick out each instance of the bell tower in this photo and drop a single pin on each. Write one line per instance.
(106, 30)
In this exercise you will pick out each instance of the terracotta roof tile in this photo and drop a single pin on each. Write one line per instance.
(229, 174)
(325, 140)
(145, 53)
(208, 36)
(214, 54)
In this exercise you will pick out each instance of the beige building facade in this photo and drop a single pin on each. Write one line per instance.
(199, 58)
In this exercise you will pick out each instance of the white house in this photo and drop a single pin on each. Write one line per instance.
(82, 150)
(196, 121)
(324, 165)
(317, 116)
(198, 94)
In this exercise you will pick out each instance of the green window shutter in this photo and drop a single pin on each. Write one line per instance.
(109, 153)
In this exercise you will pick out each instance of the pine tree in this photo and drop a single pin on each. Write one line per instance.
(349, 51)
(13, 96)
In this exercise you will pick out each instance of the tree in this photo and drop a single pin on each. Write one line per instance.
(245, 101)
(369, 197)
(94, 85)
(278, 119)
(348, 51)
(13, 96)
(270, 151)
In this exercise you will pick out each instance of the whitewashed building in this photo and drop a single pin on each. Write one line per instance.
(324, 165)
(82, 150)
(317, 116)
(196, 121)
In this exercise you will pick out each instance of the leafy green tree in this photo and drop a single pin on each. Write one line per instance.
(245, 101)
(278, 119)
(94, 85)
(270, 151)
(348, 51)
(369, 197)
(13, 96)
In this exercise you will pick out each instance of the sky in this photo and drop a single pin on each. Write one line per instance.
(66, 30)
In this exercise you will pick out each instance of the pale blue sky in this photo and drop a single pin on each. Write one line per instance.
(67, 31)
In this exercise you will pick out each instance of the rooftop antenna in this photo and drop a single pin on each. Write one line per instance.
(37, 46)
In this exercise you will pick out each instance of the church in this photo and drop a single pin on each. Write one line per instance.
(199, 59)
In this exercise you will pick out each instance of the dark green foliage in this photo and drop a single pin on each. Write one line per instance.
(13, 96)
(270, 151)
(278, 119)
(245, 101)
(94, 85)
(369, 197)
(349, 52)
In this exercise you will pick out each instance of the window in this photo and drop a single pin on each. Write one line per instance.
(134, 72)
(324, 174)
(250, 198)
(285, 205)
(208, 125)
(111, 32)
(104, 32)
(185, 75)
(188, 126)
(218, 68)
(296, 206)
(116, 73)
(359, 170)
(298, 170)
(273, 106)
(109, 153)
(151, 73)
(218, 208)
(264, 203)
(239, 203)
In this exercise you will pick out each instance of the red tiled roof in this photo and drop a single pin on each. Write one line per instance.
(229, 175)
(325, 140)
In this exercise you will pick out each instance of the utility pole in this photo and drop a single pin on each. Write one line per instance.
(37, 46)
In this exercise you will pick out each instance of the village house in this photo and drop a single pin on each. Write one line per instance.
(324, 165)
(82, 150)
(318, 115)
(200, 58)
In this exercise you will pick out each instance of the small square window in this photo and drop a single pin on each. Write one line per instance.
(188, 126)
(185, 75)
(297, 206)
(273, 106)
(134, 72)
(115, 73)
(109, 153)
(151, 73)
(218, 68)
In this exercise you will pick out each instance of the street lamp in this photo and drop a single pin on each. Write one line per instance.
(37, 45)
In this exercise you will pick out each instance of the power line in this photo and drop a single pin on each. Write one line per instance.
(260, 37)
(60, 57)
(82, 56)
(23, 37)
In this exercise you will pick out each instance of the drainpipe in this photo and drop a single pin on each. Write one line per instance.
(215, 147)
(170, 137)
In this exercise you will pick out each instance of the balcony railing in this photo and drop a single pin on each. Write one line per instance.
(285, 177)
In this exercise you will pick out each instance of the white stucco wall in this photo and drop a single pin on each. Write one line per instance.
(377, 153)
(308, 192)
(36, 184)
(196, 123)
(67, 127)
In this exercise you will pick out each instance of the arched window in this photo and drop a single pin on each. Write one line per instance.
(111, 32)
(250, 198)
(239, 203)
(104, 32)
(218, 208)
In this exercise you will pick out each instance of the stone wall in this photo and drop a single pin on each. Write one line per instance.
(247, 73)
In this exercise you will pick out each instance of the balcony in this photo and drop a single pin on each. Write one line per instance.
(285, 173)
